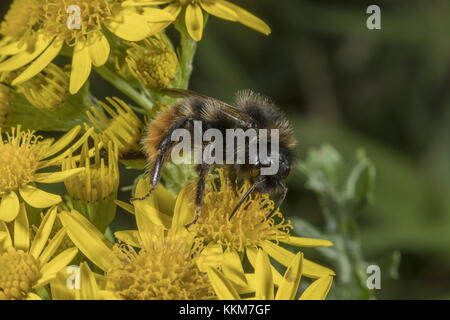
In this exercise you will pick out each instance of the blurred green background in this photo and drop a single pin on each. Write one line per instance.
(387, 91)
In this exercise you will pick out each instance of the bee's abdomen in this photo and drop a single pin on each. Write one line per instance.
(158, 129)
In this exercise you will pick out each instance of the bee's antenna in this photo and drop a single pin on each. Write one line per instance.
(280, 201)
(246, 195)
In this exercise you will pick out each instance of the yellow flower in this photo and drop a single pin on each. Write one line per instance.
(22, 155)
(79, 24)
(250, 227)
(24, 266)
(164, 266)
(100, 179)
(153, 63)
(225, 239)
(48, 89)
(194, 16)
(266, 282)
(94, 190)
(123, 128)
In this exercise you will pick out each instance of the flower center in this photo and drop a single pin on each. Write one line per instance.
(19, 158)
(83, 16)
(19, 271)
(162, 270)
(154, 63)
(249, 226)
(21, 17)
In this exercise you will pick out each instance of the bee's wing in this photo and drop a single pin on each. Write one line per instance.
(230, 111)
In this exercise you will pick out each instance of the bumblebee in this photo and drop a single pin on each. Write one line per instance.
(250, 111)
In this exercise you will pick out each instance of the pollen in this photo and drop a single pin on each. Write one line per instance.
(21, 17)
(19, 271)
(164, 269)
(91, 15)
(20, 153)
(153, 62)
(48, 89)
(251, 224)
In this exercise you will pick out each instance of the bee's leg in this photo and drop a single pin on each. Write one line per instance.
(163, 153)
(232, 179)
(280, 201)
(202, 170)
(245, 197)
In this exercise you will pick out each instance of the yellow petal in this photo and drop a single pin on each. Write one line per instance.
(232, 268)
(174, 9)
(128, 25)
(88, 289)
(194, 21)
(21, 230)
(285, 257)
(11, 48)
(248, 19)
(211, 256)
(59, 288)
(88, 239)
(157, 15)
(5, 239)
(222, 286)
(32, 296)
(166, 200)
(81, 66)
(49, 270)
(38, 198)
(291, 279)
(218, 9)
(147, 211)
(25, 57)
(264, 283)
(63, 142)
(318, 290)
(307, 242)
(99, 49)
(125, 206)
(314, 270)
(52, 246)
(40, 63)
(184, 210)
(54, 177)
(130, 237)
(43, 233)
(74, 146)
(252, 254)
(9, 206)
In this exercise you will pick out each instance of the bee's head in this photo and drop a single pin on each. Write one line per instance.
(272, 171)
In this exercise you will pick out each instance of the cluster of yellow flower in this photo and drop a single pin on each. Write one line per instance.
(42, 233)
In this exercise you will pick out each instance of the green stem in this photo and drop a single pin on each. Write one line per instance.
(122, 85)
(188, 48)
